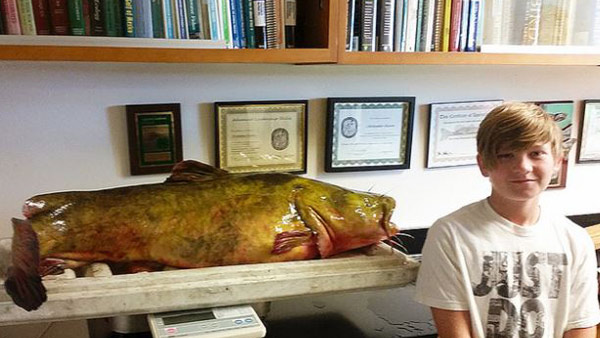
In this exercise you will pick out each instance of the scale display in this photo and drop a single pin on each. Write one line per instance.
(224, 322)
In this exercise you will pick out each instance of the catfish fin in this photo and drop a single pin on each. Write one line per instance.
(288, 240)
(23, 282)
(193, 171)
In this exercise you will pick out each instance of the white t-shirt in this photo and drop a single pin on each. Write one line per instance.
(538, 279)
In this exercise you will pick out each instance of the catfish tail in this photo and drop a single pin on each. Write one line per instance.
(23, 282)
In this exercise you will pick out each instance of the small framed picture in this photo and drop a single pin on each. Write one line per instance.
(369, 133)
(261, 136)
(562, 113)
(154, 132)
(453, 131)
(589, 133)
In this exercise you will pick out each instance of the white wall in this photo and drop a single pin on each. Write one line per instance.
(62, 125)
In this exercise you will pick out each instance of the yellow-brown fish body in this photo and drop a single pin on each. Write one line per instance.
(207, 220)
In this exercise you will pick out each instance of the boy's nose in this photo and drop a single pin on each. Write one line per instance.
(523, 164)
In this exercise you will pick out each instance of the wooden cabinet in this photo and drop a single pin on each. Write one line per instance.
(321, 39)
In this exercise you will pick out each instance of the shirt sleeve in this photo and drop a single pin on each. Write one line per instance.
(440, 282)
(584, 309)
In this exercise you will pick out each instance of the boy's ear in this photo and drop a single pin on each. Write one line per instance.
(482, 168)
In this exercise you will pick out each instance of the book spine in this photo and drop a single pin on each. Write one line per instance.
(290, 14)
(26, 17)
(350, 24)
(168, 27)
(411, 26)
(418, 25)
(41, 14)
(76, 20)
(386, 26)
(59, 17)
(248, 8)
(1, 19)
(427, 26)
(192, 19)
(182, 20)
(271, 24)
(87, 17)
(225, 11)
(97, 18)
(464, 25)
(260, 23)
(110, 20)
(474, 10)
(128, 21)
(446, 25)
(357, 29)
(213, 15)
(455, 17)
(398, 27)
(368, 26)
(203, 19)
(531, 26)
(11, 17)
(438, 23)
(234, 16)
(142, 19)
(158, 28)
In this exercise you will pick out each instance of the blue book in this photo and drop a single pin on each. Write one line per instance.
(182, 19)
(213, 15)
(474, 6)
(168, 19)
(235, 23)
(142, 19)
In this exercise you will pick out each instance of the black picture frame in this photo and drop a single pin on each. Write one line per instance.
(154, 136)
(387, 137)
(270, 136)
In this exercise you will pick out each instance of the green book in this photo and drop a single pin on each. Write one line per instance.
(192, 18)
(112, 18)
(158, 28)
(76, 20)
(128, 27)
(249, 23)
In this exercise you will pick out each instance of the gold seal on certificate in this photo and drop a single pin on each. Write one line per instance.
(261, 136)
(453, 130)
(369, 133)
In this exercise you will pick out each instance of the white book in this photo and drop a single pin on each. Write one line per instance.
(510, 33)
(531, 22)
(399, 25)
(411, 26)
(527, 49)
(464, 25)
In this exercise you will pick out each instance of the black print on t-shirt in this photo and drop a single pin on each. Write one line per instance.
(503, 272)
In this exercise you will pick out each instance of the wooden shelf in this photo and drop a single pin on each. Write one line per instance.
(457, 58)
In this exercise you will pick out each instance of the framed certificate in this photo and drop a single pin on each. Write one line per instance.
(154, 133)
(562, 113)
(261, 136)
(453, 131)
(589, 133)
(369, 133)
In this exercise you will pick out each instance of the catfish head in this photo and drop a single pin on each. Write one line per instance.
(344, 219)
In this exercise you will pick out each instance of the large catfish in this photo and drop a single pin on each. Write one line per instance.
(201, 216)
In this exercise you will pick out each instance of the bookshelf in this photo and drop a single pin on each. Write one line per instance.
(316, 44)
(451, 58)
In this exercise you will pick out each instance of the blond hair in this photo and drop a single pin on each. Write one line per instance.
(518, 126)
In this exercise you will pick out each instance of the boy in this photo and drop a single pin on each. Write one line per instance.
(503, 266)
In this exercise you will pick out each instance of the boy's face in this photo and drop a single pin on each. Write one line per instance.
(521, 175)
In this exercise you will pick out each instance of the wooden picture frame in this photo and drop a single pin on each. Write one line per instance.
(369, 133)
(261, 136)
(452, 132)
(588, 149)
(154, 135)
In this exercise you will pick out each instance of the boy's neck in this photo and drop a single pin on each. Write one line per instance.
(519, 212)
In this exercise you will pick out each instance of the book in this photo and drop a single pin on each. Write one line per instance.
(492, 29)
(76, 19)
(398, 25)
(464, 26)
(236, 18)
(193, 22)
(26, 17)
(418, 25)
(168, 19)
(142, 19)
(446, 25)
(260, 23)
(356, 29)
(350, 24)
(411, 26)
(87, 20)
(248, 8)
(427, 26)
(112, 18)
(274, 24)
(531, 22)
(438, 23)
(41, 14)
(96, 18)
(1, 20)
(290, 14)
(386, 25)
(474, 14)
(368, 25)
(225, 24)
(549, 22)
(158, 27)
(59, 17)
(455, 24)
(128, 22)
(182, 22)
